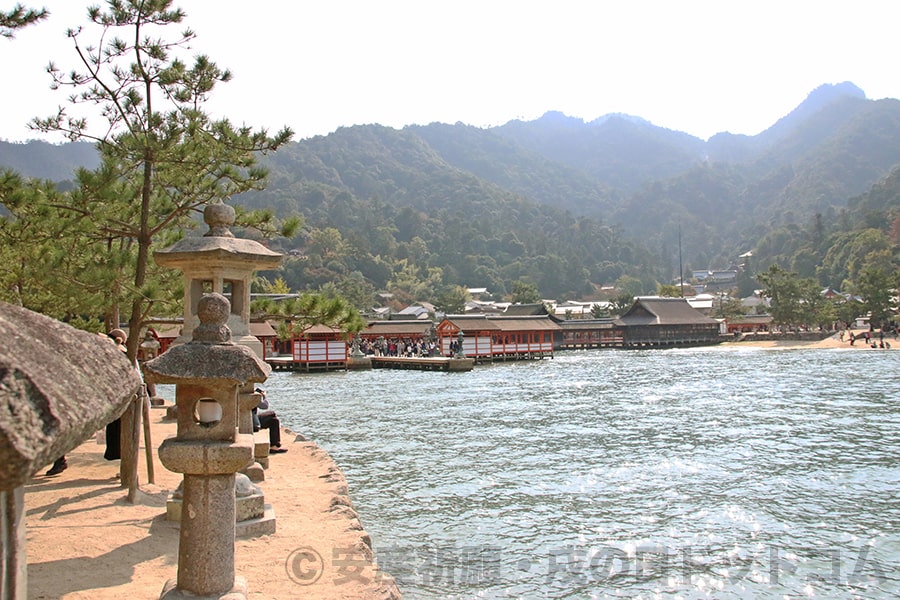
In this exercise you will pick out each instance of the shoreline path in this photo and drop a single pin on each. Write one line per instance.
(832, 341)
(85, 541)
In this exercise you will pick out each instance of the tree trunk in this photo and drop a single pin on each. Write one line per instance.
(131, 420)
(13, 566)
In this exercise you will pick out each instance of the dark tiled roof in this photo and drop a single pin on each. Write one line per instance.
(319, 330)
(536, 323)
(503, 323)
(525, 309)
(472, 323)
(663, 311)
(587, 324)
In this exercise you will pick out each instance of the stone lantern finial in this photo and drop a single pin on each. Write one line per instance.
(219, 217)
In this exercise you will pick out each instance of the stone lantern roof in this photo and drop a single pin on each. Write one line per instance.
(218, 245)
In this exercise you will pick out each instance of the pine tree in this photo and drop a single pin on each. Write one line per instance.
(162, 156)
(19, 17)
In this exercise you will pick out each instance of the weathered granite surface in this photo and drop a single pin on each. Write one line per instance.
(58, 386)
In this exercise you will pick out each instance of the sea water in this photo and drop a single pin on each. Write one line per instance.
(690, 473)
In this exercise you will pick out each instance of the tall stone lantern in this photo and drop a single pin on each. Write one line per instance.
(208, 373)
(219, 262)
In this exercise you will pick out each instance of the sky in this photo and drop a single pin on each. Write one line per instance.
(701, 67)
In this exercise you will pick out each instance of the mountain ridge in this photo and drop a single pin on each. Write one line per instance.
(535, 186)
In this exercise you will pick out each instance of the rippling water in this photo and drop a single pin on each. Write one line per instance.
(722, 473)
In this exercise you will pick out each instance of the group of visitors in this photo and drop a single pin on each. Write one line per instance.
(869, 337)
(399, 347)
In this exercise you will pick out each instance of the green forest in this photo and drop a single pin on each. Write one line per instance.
(563, 208)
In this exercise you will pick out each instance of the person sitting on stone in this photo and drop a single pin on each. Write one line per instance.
(265, 418)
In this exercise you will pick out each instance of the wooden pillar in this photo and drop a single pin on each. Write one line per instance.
(13, 565)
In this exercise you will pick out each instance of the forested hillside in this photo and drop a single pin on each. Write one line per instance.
(866, 234)
(570, 206)
(403, 218)
(47, 161)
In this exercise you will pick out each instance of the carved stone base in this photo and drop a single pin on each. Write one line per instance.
(359, 363)
(258, 526)
(253, 517)
(255, 472)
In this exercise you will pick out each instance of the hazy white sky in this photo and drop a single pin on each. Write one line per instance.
(696, 66)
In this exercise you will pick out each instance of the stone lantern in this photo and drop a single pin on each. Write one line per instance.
(208, 373)
(358, 360)
(58, 385)
(221, 263)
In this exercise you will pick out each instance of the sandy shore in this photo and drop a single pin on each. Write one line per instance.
(833, 341)
(85, 541)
